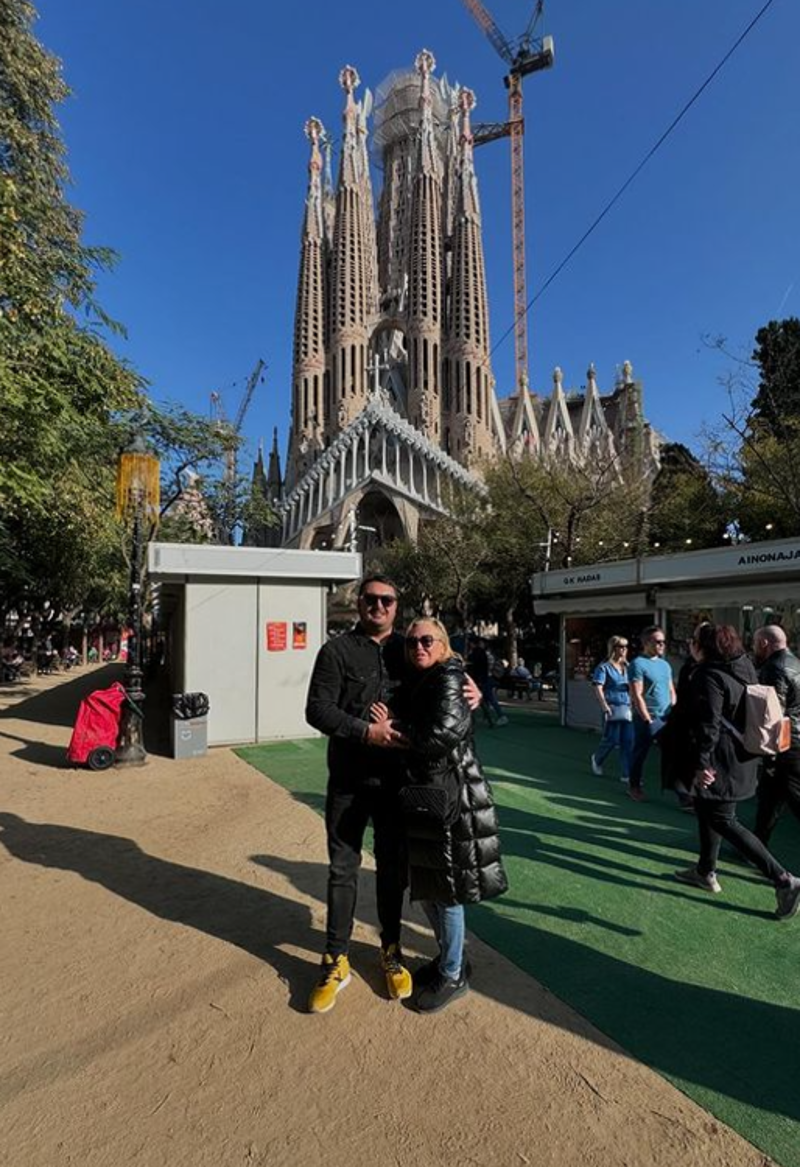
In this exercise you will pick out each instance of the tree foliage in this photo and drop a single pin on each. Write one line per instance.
(67, 403)
(755, 450)
(686, 509)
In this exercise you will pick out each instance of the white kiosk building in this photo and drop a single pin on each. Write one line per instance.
(244, 625)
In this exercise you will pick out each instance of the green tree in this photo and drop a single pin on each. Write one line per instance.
(686, 509)
(777, 358)
(755, 450)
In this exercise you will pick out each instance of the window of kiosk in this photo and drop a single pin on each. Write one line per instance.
(587, 640)
(745, 618)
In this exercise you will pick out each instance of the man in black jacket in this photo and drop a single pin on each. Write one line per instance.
(351, 673)
(780, 777)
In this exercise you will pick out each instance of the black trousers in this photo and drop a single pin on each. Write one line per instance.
(348, 809)
(779, 787)
(717, 820)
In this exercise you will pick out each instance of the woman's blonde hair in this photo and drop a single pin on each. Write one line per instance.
(440, 630)
(613, 642)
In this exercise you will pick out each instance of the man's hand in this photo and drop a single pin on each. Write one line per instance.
(472, 693)
(379, 712)
(383, 733)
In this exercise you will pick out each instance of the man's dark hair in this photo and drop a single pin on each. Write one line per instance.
(377, 577)
(719, 642)
(650, 631)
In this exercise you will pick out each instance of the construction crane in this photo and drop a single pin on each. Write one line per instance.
(528, 54)
(232, 429)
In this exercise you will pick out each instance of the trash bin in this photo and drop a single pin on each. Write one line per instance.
(190, 725)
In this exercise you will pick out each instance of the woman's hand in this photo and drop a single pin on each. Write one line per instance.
(472, 693)
(379, 712)
(704, 778)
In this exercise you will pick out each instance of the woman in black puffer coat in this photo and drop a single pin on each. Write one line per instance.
(451, 823)
(724, 772)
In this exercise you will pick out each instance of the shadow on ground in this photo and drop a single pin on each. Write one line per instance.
(261, 922)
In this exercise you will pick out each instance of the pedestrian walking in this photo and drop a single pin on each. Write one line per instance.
(610, 680)
(724, 773)
(652, 697)
(779, 786)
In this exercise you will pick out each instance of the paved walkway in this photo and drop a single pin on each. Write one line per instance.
(161, 929)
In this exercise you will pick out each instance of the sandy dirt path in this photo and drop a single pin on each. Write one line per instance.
(160, 932)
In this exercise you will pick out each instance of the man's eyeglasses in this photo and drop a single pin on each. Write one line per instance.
(425, 642)
(662, 641)
(372, 599)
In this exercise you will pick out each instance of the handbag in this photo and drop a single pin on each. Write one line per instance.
(432, 804)
(620, 713)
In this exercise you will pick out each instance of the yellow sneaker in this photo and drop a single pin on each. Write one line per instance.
(335, 975)
(398, 978)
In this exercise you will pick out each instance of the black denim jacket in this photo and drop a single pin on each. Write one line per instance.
(351, 672)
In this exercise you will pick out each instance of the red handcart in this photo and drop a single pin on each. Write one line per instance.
(94, 738)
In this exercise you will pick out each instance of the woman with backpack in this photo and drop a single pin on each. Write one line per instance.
(724, 772)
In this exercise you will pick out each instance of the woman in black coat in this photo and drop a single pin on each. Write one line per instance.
(724, 773)
(451, 823)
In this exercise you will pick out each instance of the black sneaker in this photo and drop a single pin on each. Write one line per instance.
(427, 973)
(439, 993)
(788, 897)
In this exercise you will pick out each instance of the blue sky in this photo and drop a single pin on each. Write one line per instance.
(188, 157)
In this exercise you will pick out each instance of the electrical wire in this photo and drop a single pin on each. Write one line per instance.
(634, 174)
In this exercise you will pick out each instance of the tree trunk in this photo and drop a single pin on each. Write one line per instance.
(512, 648)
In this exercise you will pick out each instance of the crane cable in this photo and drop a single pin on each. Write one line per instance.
(653, 150)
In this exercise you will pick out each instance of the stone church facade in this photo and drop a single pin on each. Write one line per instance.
(393, 395)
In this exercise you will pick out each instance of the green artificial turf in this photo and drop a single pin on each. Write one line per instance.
(704, 989)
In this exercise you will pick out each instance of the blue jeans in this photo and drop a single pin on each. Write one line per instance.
(616, 734)
(447, 921)
(489, 694)
(642, 741)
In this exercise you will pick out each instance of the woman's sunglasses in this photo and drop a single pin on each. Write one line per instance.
(425, 642)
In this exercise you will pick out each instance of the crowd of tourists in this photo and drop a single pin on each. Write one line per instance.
(398, 712)
(727, 731)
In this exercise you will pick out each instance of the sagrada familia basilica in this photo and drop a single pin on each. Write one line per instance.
(393, 396)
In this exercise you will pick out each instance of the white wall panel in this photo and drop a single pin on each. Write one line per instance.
(221, 637)
(283, 674)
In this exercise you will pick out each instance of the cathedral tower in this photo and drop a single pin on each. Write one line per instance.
(352, 269)
(426, 271)
(308, 417)
(467, 375)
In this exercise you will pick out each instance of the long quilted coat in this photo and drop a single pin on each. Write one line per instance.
(457, 864)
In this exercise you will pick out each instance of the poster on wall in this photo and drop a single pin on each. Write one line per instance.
(276, 635)
(299, 634)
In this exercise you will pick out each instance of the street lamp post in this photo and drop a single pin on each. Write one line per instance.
(137, 499)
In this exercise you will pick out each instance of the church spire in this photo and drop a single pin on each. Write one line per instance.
(351, 267)
(309, 325)
(468, 373)
(425, 278)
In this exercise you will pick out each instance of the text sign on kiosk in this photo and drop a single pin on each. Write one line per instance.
(590, 577)
(277, 636)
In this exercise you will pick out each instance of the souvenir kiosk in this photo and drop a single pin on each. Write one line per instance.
(746, 585)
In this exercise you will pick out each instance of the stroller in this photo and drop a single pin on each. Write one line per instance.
(94, 738)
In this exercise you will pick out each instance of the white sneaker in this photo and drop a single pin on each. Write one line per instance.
(596, 769)
(705, 882)
(502, 720)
